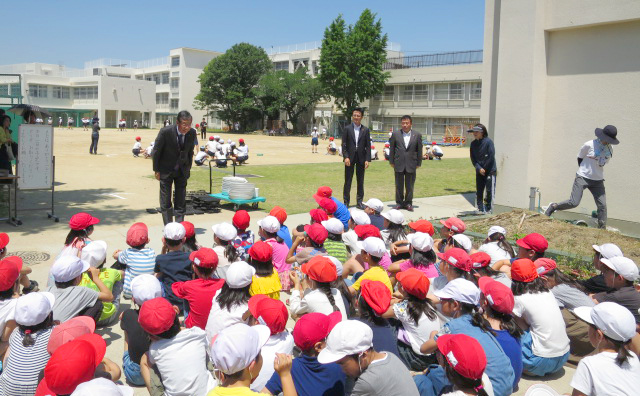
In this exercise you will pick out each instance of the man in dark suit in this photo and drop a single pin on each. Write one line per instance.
(405, 156)
(172, 159)
(356, 151)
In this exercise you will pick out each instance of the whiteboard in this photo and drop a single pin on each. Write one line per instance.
(35, 155)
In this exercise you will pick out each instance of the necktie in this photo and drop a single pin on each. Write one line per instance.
(181, 139)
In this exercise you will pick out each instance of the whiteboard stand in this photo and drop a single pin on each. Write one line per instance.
(51, 210)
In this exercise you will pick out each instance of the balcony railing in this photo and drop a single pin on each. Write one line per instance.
(430, 60)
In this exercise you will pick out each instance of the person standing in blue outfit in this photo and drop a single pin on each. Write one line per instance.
(341, 213)
(483, 158)
(459, 300)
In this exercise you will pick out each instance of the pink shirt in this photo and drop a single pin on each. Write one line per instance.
(279, 259)
(430, 270)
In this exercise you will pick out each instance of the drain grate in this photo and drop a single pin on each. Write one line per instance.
(31, 257)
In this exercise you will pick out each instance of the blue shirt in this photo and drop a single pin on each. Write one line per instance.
(377, 221)
(511, 347)
(342, 213)
(311, 378)
(499, 368)
(175, 267)
(285, 235)
(384, 338)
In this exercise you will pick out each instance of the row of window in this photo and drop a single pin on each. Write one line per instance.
(5, 89)
(297, 64)
(57, 92)
(418, 92)
(429, 127)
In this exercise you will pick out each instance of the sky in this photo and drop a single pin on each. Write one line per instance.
(72, 32)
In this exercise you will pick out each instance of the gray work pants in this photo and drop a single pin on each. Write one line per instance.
(597, 190)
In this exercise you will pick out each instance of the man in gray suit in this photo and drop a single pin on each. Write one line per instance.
(405, 156)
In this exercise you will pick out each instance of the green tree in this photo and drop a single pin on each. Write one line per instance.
(351, 61)
(295, 93)
(229, 81)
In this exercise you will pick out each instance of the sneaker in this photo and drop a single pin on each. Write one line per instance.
(550, 209)
(33, 287)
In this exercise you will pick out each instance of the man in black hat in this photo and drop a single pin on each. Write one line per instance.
(592, 158)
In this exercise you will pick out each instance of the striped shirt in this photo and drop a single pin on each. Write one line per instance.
(138, 262)
(336, 249)
(22, 367)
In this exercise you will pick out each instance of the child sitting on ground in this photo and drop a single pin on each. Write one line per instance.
(496, 245)
(318, 295)
(223, 236)
(464, 363)
(423, 258)
(334, 245)
(283, 233)
(268, 230)
(136, 147)
(148, 152)
(245, 238)
(28, 286)
(481, 267)
(450, 227)
(175, 265)
(349, 237)
(374, 301)
(596, 284)
(372, 251)
(266, 280)
(10, 268)
(81, 225)
(200, 157)
(190, 242)
(531, 247)
(137, 259)
(314, 236)
(394, 232)
(95, 254)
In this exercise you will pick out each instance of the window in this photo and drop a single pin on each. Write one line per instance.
(456, 91)
(37, 91)
(406, 92)
(389, 92)
(314, 67)
(421, 92)
(284, 65)
(175, 83)
(476, 91)
(300, 63)
(149, 77)
(441, 92)
(139, 77)
(175, 61)
(15, 90)
(162, 98)
(61, 92)
(175, 104)
(85, 93)
(4, 89)
(165, 78)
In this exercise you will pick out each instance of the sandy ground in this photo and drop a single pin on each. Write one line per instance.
(117, 188)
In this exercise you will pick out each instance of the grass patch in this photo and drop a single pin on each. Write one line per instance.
(292, 186)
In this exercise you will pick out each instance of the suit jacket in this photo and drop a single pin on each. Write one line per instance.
(403, 158)
(167, 153)
(363, 153)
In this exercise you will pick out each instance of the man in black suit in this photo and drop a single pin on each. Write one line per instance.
(405, 156)
(356, 151)
(172, 159)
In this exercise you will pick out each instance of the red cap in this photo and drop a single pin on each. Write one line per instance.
(367, 230)
(210, 137)
(313, 328)
(241, 220)
(269, 312)
(433, 143)
(74, 363)
(480, 259)
(544, 265)
(240, 140)
(138, 234)
(464, 354)
(533, 241)
(279, 213)
(323, 192)
(138, 138)
(328, 205)
(82, 220)
(10, 268)
(318, 215)
(69, 331)
(331, 138)
(373, 147)
(261, 251)
(377, 295)
(414, 281)
(4, 240)
(320, 269)
(204, 257)
(387, 145)
(454, 224)
(424, 226)
(316, 232)
(156, 316)
(197, 125)
(499, 296)
(189, 229)
(523, 270)
(458, 258)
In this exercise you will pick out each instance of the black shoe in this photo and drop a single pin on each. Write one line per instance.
(409, 208)
(33, 287)
(399, 207)
(360, 206)
(550, 209)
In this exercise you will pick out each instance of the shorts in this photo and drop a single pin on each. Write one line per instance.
(333, 150)
(536, 365)
(131, 370)
(314, 141)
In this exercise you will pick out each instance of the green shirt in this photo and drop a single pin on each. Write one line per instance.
(109, 277)
(336, 249)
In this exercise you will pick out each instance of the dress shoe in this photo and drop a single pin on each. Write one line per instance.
(360, 206)
(409, 208)
(399, 207)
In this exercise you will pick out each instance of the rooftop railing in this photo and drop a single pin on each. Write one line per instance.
(311, 45)
(430, 60)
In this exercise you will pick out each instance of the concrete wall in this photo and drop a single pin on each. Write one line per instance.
(554, 71)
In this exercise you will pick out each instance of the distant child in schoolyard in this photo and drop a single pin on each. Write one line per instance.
(266, 279)
(175, 265)
(201, 156)
(331, 147)
(137, 259)
(148, 152)
(137, 147)
(245, 238)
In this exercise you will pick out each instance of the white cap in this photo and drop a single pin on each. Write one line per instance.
(33, 308)
(95, 253)
(496, 229)
(375, 204)
(225, 231)
(337, 263)
(235, 347)
(394, 216)
(421, 241)
(615, 321)
(359, 217)
(67, 268)
(349, 337)
(608, 250)
(333, 225)
(460, 290)
(228, 141)
(270, 224)
(623, 266)
(463, 241)
(239, 275)
(174, 231)
(315, 127)
(374, 246)
(145, 287)
(541, 390)
(102, 387)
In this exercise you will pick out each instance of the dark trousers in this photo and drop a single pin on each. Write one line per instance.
(597, 190)
(136, 152)
(179, 206)
(93, 149)
(93, 312)
(486, 182)
(404, 182)
(348, 177)
(203, 135)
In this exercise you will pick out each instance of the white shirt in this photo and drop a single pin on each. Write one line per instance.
(418, 333)
(314, 134)
(137, 145)
(600, 375)
(356, 132)
(243, 151)
(277, 343)
(212, 146)
(223, 263)
(495, 251)
(332, 145)
(592, 167)
(149, 150)
(7, 312)
(182, 362)
(387, 150)
(350, 239)
(201, 155)
(436, 149)
(548, 331)
(219, 318)
(406, 136)
(316, 301)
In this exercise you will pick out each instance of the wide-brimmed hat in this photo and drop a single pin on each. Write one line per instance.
(608, 134)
